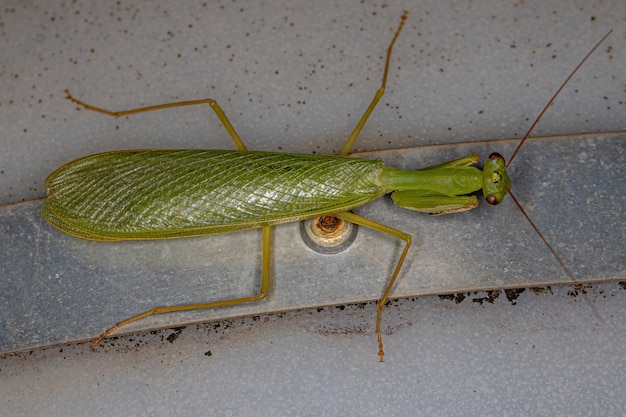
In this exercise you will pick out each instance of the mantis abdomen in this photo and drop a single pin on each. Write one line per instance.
(152, 194)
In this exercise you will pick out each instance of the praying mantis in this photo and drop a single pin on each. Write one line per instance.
(162, 194)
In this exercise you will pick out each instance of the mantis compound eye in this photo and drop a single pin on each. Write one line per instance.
(497, 158)
(493, 199)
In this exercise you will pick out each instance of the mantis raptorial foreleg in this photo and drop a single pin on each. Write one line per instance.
(265, 286)
(435, 203)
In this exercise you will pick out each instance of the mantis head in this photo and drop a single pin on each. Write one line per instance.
(496, 181)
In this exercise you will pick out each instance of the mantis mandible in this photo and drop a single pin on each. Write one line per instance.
(160, 194)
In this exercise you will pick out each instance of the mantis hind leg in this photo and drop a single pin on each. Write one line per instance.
(212, 103)
(353, 218)
(265, 285)
(345, 150)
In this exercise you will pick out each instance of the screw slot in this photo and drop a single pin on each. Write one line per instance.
(328, 234)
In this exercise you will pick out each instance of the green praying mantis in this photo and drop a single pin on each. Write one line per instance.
(161, 194)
